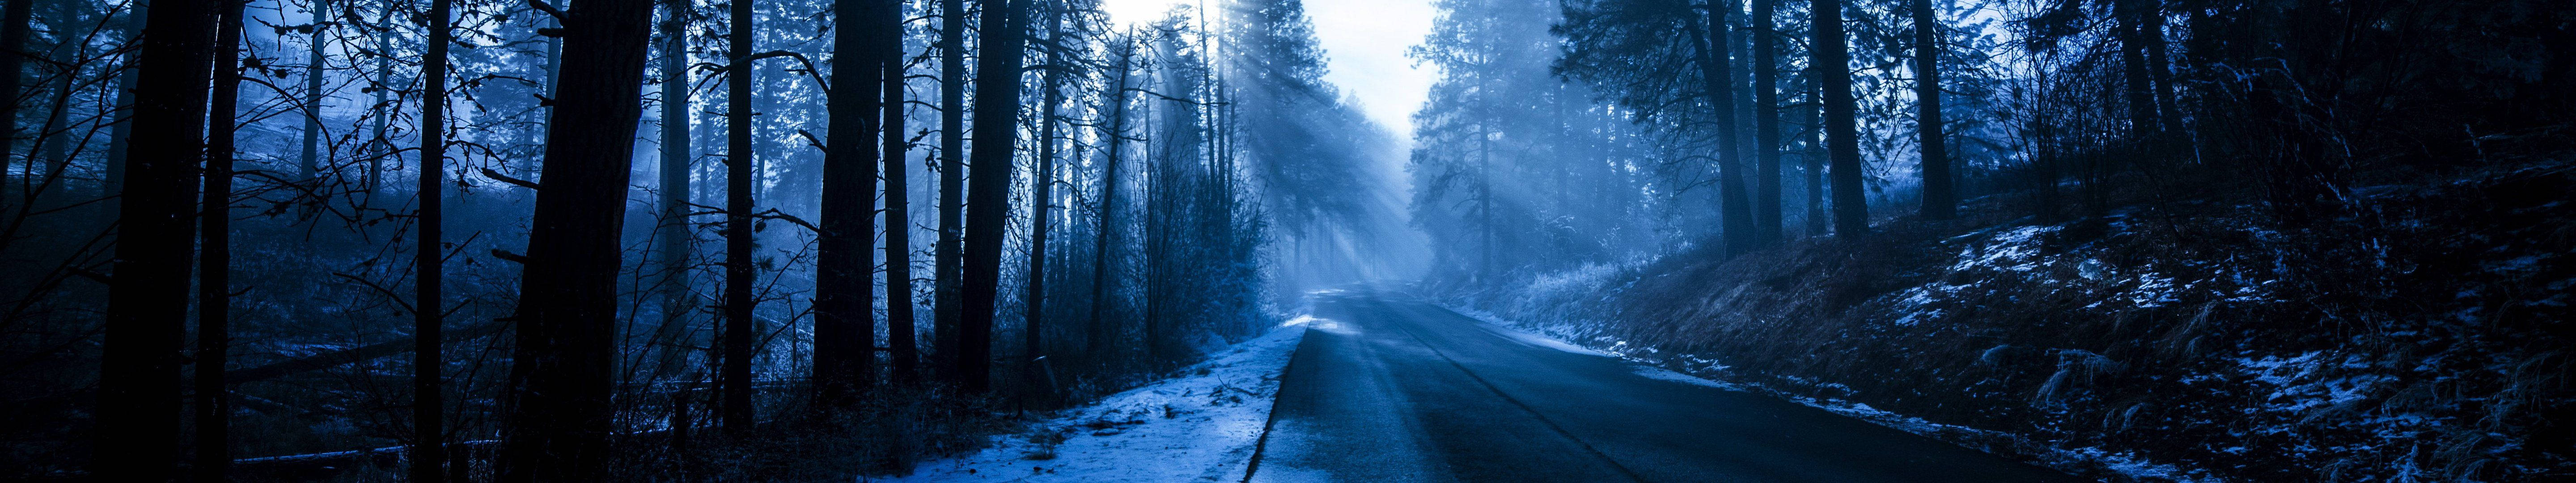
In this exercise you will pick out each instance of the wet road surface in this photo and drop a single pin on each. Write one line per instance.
(1388, 389)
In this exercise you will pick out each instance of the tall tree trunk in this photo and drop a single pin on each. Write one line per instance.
(2152, 32)
(1766, 124)
(16, 20)
(560, 418)
(379, 147)
(1042, 182)
(147, 300)
(1710, 43)
(735, 375)
(112, 182)
(947, 267)
(678, 244)
(1940, 197)
(1098, 331)
(898, 214)
(997, 95)
(1833, 67)
(2133, 70)
(214, 257)
(429, 430)
(845, 262)
(313, 94)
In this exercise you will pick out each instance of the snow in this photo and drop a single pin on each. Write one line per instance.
(1494, 324)
(1658, 373)
(1200, 426)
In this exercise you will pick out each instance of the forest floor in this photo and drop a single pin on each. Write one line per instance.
(2177, 336)
(1201, 425)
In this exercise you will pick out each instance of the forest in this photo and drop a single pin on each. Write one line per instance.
(835, 240)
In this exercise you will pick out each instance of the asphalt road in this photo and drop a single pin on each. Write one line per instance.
(1387, 389)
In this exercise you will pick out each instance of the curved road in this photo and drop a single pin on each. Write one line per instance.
(1386, 389)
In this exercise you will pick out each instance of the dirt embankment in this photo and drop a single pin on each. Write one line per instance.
(2423, 334)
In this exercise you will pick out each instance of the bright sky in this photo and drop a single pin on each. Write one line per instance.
(1364, 41)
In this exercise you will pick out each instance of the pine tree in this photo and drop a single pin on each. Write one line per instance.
(561, 417)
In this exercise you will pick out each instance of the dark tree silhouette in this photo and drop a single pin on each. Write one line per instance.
(946, 263)
(1766, 123)
(429, 431)
(844, 335)
(214, 407)
(1833, 60)
(734, 377)
(902, 349)
(1710, 44)
(677, 243)
(1098, 332)
(1940, 199)
(147, 297)
(988, 194)
(560, 419)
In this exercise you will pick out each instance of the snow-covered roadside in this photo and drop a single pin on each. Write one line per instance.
(1199, 426)
(1696, 370)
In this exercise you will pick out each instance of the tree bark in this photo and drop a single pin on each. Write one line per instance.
(1766, 124)
(429, 430)
(112, 182)
(313, 95)
(1709, 40)
(735, 375)
(560, 418)
(2133, 70)
(147, 300)
(16, 20)
(1940, 198)
(214, 257)
(845, 264)
(1833, 68)
(678, 243)
(947, 267)
(997, 95)
(898, 214)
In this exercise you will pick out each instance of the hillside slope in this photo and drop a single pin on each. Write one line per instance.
(2421, 335)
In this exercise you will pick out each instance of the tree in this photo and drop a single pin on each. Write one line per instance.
(1940, 199)
(1766, 123)
(1114, 133)
(429, 431)
(734, 377)
(312, 102)
(16, 19)
(1043, 184)
(1710, 44)
(560, 419)
(677, 243)
(214, 257)
(147, 301)
(997, 95)
(844, 335)
(898, 213)
(947, 267)
(1833, 61)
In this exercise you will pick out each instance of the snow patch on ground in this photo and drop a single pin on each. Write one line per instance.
(1658, 373)
(1199, 426)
